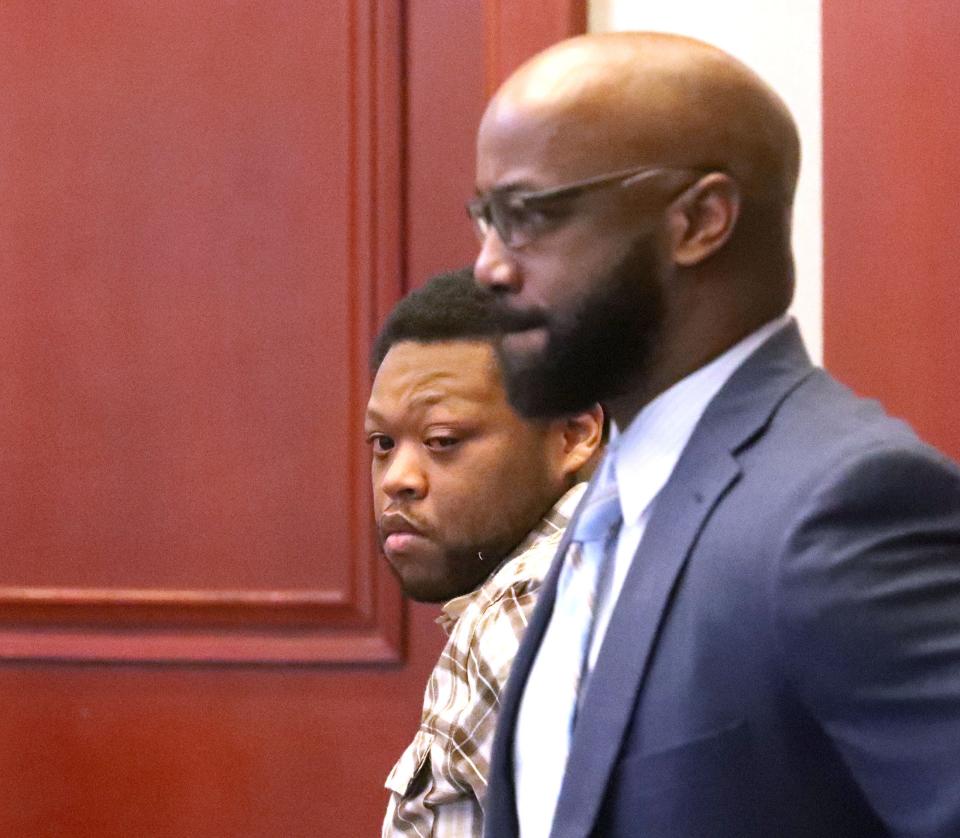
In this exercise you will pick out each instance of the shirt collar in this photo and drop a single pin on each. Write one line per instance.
(553, 522)
(647, 451)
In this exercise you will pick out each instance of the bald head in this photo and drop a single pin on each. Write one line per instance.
(622, 99)
(634, 200)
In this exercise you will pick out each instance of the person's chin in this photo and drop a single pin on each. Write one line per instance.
(420, 589)
(410, 558)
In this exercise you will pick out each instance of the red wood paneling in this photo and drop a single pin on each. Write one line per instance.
(891, 116)
(208, 224)
(444, 93)
(517, 30)
(458, 59)
(209, 207)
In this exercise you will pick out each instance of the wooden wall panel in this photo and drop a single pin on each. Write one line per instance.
(132, 699)
(891, 121)
(459, 57)
(516, 30)
(207, 229)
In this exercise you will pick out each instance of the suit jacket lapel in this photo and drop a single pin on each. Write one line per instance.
(705, 471)
(611, 692)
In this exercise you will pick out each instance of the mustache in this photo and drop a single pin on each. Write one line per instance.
(507, 319)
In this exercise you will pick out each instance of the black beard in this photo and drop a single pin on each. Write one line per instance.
(594, 352)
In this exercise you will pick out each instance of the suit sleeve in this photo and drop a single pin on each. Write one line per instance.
(868, 614)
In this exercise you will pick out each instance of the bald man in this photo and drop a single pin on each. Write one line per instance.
(761, 634)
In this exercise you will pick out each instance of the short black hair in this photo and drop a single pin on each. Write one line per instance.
(449, 306)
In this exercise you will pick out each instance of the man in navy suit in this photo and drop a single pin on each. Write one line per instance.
(753, 625)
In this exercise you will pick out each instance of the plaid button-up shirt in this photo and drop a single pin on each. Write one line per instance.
(438, 784)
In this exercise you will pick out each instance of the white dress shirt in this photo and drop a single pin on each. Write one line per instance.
(645, 455)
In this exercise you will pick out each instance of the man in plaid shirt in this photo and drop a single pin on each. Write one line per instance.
(471, 502)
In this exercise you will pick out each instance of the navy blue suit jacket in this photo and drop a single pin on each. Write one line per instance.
(784, 657)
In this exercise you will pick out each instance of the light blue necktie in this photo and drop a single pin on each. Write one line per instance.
(590, 566)
(556, 685)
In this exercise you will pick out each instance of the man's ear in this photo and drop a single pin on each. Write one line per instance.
(702, 218)
(582, 438)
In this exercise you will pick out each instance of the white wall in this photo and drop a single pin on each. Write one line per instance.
(780, 40)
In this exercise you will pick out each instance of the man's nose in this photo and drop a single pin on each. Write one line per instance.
(496, 266)
(404, 477)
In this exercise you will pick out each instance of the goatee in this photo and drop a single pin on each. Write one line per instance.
(595, 350)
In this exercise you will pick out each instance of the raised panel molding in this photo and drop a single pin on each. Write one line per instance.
(364, 622)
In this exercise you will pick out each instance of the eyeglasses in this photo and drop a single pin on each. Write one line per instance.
(519, 217)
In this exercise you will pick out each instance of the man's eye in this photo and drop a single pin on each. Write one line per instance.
(532, 216)
(441, 443)
(380, 443)
(519, 215)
